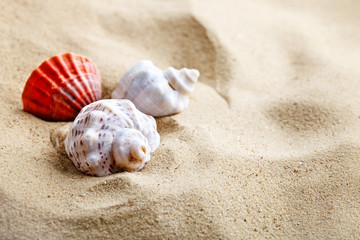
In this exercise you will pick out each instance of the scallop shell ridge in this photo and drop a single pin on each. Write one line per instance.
(61, 86)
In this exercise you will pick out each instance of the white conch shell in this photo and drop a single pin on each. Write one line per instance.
(109, 136)
(155, 92)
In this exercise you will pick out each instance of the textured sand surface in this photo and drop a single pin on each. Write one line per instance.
(268, 148)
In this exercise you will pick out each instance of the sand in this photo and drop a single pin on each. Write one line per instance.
(268, 148)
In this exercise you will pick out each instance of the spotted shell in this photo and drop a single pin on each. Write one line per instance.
(109, 136)
(61, 86)
(155, 92)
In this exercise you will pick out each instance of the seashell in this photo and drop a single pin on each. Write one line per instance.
(61, 86)
(155, 92)
(109, 136)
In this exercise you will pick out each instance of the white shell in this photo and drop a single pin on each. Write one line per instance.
(110, 136)
(155, 92)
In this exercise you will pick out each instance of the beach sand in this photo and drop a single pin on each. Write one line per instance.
(268, 148)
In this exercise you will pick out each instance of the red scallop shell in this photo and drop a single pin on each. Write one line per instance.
(61, 86)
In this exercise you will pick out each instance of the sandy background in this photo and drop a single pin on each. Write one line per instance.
(268, 148)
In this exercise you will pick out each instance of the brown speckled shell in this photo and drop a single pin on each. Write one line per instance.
(90, 139)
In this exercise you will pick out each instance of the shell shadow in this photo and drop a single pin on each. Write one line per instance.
(167, 126)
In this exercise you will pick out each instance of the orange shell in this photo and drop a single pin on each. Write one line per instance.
(61, 86)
